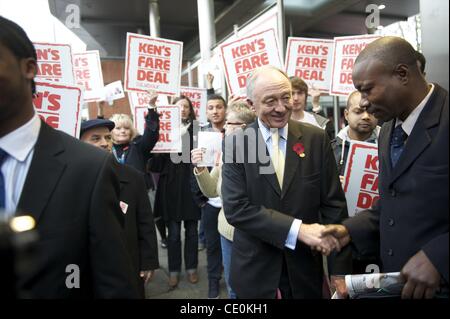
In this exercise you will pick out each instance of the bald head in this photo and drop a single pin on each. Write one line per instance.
(388, 77)
(390, 51)
(252, 78)
(353, 99)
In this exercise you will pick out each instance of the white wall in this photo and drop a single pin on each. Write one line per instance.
(35, 18)
(435, 24)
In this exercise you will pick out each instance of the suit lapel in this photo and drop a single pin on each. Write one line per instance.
(420, 138)
(292, 158)
(384, 146)
(43, 175)
(262, 167)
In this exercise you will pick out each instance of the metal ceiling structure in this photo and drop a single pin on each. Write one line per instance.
(104, 23)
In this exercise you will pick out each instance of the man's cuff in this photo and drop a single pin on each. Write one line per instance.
(292, 237)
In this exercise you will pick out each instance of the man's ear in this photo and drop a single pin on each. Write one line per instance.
(402, 73)
(346, 114)
(29, 68)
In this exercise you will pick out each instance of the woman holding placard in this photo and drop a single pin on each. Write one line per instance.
(174, 201)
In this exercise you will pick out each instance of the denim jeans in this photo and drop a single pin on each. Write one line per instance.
(213, 252)
(226, 257)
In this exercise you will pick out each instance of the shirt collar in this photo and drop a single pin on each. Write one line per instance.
(21, 141)
(266, 132)
(411, 120)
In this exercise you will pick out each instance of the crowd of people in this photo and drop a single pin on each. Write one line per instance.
(272, 213)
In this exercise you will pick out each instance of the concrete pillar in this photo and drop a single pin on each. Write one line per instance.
(207, 35)
(153, 18)
(189, 68)
(281, 27)
(434, 22)
(336, 114)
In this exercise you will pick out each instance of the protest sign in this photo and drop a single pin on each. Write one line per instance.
(211, 142)
(198, 98)
(153, 63)
(59, 106)
(169, 127)
(361, 177)
(113, 91)
(88, 74)
(139, 99)
(54, 63)
(242, 56)
(345, 52)
(310, 60)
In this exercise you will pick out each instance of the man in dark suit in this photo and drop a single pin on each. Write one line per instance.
(408, 227)
(68, 187)
(276, 213)
(134, 202)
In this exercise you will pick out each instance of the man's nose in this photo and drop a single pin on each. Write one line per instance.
(281, 106)
(104, 143)
(366, 115)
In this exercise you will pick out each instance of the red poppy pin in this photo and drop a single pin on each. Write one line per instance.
(299, 149)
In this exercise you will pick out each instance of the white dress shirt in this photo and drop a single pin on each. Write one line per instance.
(291, 240)
(411, 120)
(19, 145)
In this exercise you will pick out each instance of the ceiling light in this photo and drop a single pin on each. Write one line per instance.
(381, 6)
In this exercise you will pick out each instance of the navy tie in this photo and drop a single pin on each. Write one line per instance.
(3, 157)
(397, 144)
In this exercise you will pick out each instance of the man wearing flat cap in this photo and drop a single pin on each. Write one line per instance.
(139, 226)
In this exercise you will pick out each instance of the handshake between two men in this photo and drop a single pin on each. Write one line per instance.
(324, 238)
(420, 277)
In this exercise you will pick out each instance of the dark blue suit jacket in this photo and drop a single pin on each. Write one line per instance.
(413, 210)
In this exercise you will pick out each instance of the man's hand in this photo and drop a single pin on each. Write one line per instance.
(146, 275)
(100, 109)
(338, 285)
(234, 98)
(421, 277)
(339, 232)
(209, 80)
(315, 94)
(312, 236)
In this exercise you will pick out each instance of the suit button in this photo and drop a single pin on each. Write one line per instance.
(390, 252)
(393, 192)
(391, 222)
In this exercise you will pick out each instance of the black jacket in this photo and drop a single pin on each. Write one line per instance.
(72, 191)
(140, 147)
(412, 213)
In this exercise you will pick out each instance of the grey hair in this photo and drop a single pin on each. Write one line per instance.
(251, 79)
(242, 112)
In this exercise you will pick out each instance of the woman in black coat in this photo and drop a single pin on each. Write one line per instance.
(174, 200)
(133, 149)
